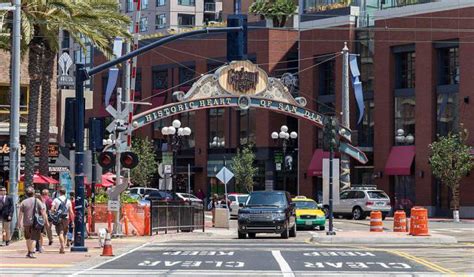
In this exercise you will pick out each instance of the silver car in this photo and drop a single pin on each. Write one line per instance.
(235, 200)
(357, 203)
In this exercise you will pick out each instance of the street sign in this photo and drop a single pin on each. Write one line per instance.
(278, 166)
(113, 205)
(335, 181)
(65, 62)
(168, 169)
(225, 175)
(354, 152)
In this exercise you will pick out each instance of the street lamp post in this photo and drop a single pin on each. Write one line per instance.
(175, 134)
(285, 139)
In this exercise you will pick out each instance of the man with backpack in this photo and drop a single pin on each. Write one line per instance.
(61, 211)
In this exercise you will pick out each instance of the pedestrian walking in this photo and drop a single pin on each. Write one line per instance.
(61, 212)
(70, 231)
(6, 214)
(32, 214)
(200, 194)
(214, 201)
(48, 202)
(39, 243)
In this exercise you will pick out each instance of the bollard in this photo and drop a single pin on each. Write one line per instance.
(89, 220)
(400, 221)
(419, 222)
(147, 221)
(376, 224)
(109, 221)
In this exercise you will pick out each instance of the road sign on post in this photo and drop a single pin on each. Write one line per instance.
(225, 175)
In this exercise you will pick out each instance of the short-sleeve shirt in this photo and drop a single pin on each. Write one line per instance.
(27, 207)
(57, 202)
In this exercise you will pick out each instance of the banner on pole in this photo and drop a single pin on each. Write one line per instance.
(335, 183)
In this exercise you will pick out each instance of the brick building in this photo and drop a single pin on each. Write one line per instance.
(430, 41)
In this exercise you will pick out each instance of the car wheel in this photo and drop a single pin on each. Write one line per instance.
(252, 235)
(358, 214)
(322, 227)
(293, 231)
(286, 233)
(242, 235)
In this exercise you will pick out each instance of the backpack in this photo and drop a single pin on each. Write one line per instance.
(60, 213)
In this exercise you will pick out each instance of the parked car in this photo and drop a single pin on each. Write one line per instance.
(159, 195)
(141, 191)
(187, 197)
(358, 202)
(267, 212)
(308, 213)
(235, 200)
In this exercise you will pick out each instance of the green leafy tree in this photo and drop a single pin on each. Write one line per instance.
(277, 10)
(243, 169)
(450, 161)
(97, 21)
(147, 165)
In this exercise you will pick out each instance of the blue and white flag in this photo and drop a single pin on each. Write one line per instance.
(359, 94)
(114, 71)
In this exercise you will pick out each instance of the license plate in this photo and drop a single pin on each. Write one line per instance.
(380, 203)
(309, 223)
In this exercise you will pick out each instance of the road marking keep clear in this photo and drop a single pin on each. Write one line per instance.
(199, 253)
(188, 264)
(357, 265)
(339, 254)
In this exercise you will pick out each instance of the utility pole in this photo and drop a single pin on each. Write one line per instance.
(345, 159)
(15, 112)
(117, 229)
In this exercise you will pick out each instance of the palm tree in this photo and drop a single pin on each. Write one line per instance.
(97, 20)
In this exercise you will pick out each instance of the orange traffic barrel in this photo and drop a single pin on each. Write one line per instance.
(376, 224)
(400, 221)
(107, 250)
(419, 222)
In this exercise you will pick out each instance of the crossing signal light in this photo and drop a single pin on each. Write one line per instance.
(331, 134)
(129, 160)
(106, 160)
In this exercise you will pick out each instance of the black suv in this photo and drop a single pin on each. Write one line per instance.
(267, 212)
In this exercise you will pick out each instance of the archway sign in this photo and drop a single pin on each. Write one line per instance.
(244, 85)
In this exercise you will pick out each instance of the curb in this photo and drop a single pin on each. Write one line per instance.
(377, 240)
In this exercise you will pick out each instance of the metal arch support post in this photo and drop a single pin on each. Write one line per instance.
(345, 181)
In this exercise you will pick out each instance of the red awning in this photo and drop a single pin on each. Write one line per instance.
(316, 165)
(400, 159)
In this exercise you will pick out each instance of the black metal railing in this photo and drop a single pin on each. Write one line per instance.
(176, 216)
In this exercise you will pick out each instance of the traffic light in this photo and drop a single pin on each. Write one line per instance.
(129, 159)
(331, 134)
(107, 160)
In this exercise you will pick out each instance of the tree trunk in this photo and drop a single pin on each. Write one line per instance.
(34, 72)
(47, 77)
(455, 201)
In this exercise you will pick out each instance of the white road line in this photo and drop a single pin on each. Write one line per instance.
(113, 259)
(284, 266)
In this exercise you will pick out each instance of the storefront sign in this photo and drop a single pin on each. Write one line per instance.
(242, 77)
(53, 149)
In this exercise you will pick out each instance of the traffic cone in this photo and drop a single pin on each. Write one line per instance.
(107, 251)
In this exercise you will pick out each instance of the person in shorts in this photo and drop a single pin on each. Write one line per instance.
(25, 220)
(62, 225)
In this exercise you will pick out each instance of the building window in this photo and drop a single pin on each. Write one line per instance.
(187, 2)
(216, 128)
(160, 21)
(365, 130)
(405, 116)
(159, 79)
(5, 101)
(144, 4)
(327, 77)
(130, 6)
(405, 70)
(186, 20)
(247, 126)
(186, 75)
(144, 24)
(160, 3)
(449, 66)
(65, 41)
(447, 113)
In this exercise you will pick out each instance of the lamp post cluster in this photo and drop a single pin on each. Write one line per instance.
(285, 138)
(217, 142)
(400, 138)
(175, 134)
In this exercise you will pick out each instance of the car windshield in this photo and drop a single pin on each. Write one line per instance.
(266, 199)
(305, 204)
(377, 195)
(242, 199)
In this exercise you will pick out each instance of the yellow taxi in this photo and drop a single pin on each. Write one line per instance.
(308, 214)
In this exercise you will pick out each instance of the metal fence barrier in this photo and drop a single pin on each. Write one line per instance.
(177, 216)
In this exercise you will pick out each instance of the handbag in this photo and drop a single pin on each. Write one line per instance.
(38, 220)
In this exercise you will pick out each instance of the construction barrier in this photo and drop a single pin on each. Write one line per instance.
(136, 218)
(400, 221)
(376, 224)
(419, 222)
(147, 227)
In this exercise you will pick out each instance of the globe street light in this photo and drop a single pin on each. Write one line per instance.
(285, 138)
(174, 134)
